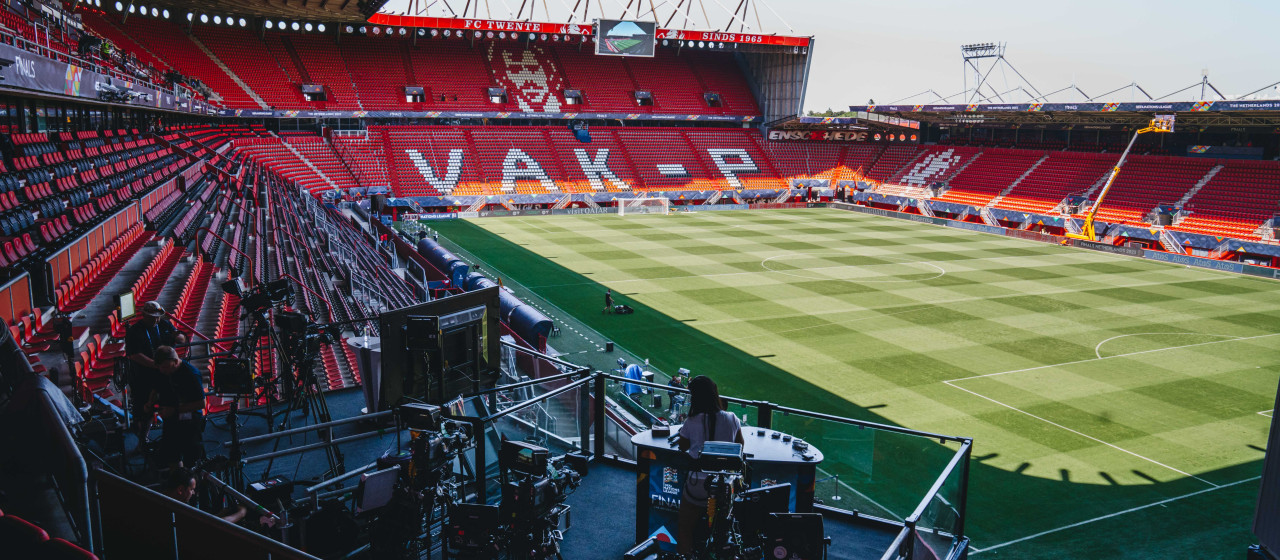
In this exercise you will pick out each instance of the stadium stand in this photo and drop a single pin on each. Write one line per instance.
(989, 175)
(1146, 181)
(1060, 175)
(1235, 202)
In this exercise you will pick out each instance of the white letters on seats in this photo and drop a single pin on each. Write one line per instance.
(597, 169)
(730, 170)
(518, 166)
(453, 170)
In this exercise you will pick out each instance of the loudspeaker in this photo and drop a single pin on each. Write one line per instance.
(232, 376)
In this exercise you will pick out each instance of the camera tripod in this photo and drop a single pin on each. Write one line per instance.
(292, 381)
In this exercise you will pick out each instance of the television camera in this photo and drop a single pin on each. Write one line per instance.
(428, 484)
(532, 517)
(261, 297)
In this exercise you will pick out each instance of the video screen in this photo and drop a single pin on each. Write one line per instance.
(625, 38)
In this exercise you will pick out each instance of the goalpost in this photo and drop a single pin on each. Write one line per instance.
(644, 205)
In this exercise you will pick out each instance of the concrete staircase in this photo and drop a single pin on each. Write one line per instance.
(252, 94)
(1015, 183)
(304, 159)
(1203, 181)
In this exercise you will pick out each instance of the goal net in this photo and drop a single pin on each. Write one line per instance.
(647, 205)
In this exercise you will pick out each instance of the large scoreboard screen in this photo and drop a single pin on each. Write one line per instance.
(625, 38)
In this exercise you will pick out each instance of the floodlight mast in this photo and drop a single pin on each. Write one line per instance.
(1161, 124)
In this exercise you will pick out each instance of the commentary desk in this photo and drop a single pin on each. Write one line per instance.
(661, 469)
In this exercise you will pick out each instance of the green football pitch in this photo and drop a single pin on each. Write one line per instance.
(1119, 407)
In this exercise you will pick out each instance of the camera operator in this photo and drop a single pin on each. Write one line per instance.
(180, 394)
(141, 340)
(182, 485)
(708, 421)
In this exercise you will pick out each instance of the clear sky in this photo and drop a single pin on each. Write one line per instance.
(888, 50)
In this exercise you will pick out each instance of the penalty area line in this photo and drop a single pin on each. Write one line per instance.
(1082, 434)
(1110, 515)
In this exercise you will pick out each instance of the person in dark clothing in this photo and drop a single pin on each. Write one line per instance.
(677, 382)
(708, 421)
(608, 301)
(180, 394)
(141, 340)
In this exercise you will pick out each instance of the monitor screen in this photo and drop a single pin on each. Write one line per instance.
(625, 38)
(126, 305)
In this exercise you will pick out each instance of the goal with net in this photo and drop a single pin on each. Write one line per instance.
(644, 205)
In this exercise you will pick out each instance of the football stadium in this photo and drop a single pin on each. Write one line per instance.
(447, 279)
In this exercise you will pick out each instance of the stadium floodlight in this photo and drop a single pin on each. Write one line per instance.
(403, 32)
(165, 13)
(295, 26)
(555, 38)
(119, 7)
(377, 31)
(422, 32)
(231, 22)
(320, 27)
(490, 35)
(702, 44)
(132, 8)
(351, 29)
(436, 32)
(204, 18)
(270, 24)
(243, 23)
(190, 16)
(664, 42)
(544, 36)
(155, 12)
(308, 26)
(217, 20)
(503, 35)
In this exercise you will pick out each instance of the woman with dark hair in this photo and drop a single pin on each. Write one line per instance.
(708, 421)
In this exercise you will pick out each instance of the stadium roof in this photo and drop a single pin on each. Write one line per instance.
(1190, 114)
(346, 11)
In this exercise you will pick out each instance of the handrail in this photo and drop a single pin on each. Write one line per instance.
(231, 246)
(799, 412)
(531, 402)
(519, 348)
(894, 552)
(208, 339)
(307, 288)
(963, 452)
(865, 424)
(524, 384)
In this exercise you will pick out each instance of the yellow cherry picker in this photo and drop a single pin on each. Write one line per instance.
(1161, 123)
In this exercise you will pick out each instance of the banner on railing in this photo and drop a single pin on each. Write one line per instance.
(1189, 260)
(303, 114)
(1138, 107)
(1260, 271)
(38, 73)
(1107, 248)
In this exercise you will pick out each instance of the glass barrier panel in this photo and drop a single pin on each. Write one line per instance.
(558, 422)
(874, 472)
(937, 531)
